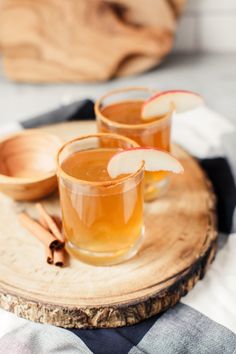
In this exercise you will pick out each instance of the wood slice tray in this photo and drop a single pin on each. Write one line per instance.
(179, 245)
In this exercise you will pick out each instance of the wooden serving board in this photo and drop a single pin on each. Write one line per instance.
(179, 245)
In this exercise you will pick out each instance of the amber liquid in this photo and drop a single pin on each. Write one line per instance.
(156, 135)
(102, 224)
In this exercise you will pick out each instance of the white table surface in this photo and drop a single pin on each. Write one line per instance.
(212, 75)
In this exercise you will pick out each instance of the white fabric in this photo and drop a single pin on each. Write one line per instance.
(215, 296)
(27, 337)
(204, 134)
(9, 322)
(201, 131)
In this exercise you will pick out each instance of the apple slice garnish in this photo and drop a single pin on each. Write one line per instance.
(129, 161)
(162, 102)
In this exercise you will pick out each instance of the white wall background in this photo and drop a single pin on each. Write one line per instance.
(207, 25)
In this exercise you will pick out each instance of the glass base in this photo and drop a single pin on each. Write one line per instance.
(104, 258)
(156, 190)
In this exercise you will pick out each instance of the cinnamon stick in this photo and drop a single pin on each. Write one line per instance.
(51, 224)
(43, 222)
(56, 219)
(48, 254)
(48, 251)
(59, 258)
(58, 222)
(40, 232)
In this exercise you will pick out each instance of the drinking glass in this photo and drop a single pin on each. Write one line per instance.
(102, 219)
(119, 112)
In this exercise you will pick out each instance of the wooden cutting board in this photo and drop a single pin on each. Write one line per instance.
(81, 40)
(179, 245)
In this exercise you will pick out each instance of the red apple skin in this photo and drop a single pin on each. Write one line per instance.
(158, 94)
(164, 93)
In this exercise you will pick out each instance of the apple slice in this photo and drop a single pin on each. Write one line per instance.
(129, 161)
(160, 103)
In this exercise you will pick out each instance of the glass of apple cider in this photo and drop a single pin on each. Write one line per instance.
(120, 112)
(102, 217)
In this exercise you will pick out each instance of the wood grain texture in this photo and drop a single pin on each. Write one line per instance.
(27, 165)
(180, 243)
(57, 40)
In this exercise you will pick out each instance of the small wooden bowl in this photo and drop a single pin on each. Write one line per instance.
(27, 165)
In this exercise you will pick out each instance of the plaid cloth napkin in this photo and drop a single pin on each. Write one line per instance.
(205, 320)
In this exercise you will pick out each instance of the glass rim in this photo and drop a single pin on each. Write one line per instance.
(112, 123)
(111, 183)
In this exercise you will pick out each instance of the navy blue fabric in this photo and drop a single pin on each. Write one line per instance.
(219, 173)
(79, 110)
(114, 340)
